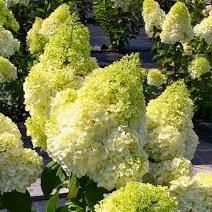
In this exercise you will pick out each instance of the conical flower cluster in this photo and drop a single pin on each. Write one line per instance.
(101, 131)
(177, 25)
(20, 167)
(153, 16)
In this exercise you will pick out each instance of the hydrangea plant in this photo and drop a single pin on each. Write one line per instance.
(204, 29)
(155, 78)
(170, 133)
(138, 197)
(198, 67)
(185, 52)
(102, 133)
(193, 193)
(7, 19)
(8, 71)
(153, 16)
(20, 166)
(64, 63)
(177, 25)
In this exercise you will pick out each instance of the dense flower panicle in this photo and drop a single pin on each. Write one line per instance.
(164, 172)
(35, 40)
(199, 66)
(8, 71)
(101, 134)
(7, 19)
(155, 77)
(164, 143)
(153, 16)
(138, 197)
(36, 129)
(204, 29)
(177, 25)
(43, 82)
(63, 65)
(70, 46)
(193, 194)
(58, 17)
(8, 44)
(42, 30)
(19, 166)
(169, 121)
(41, 85)
(7, 126)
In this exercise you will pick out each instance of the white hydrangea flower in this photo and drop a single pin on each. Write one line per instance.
(20, 167)
(102, 132)
(193, 194)
(155, 77)
(64, 64)
(8, 44)
(177, 25)
(164, 143)
(138, 197)
(204, 29)
(199, 66)
(153, 16)
(8, 71)
(50, 24)
(169, 121)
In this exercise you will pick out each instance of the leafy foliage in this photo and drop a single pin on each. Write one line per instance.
(120, 21)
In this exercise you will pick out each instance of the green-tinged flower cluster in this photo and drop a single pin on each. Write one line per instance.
(155, 77)
(43, 30)
(138, 197)
(164, 172)
(101, 131)
(204, 29)
(198, 67)
(153, 16)
(36, 41)
(8, 71)
(171, 113)
(41, 85)
(7, 19)
(170, 133)
(64, 64)
(70, 46)
(50, 24)
(19, 166)
(193, 194)
(165, 142)
(8, 44)
(177, 25)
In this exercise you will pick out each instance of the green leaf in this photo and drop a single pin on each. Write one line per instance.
(94, 194)
(52, 203)
(62, 209)
(73, 187)
(74, 206)
(49, 180)
(17, 202)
